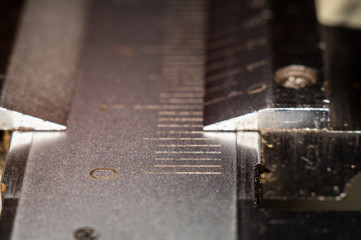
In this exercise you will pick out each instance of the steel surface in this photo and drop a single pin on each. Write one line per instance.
(134, 162)
(40, 78)
(249, 42)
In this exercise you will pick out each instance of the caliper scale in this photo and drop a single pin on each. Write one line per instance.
(134, 162)
(176, 121)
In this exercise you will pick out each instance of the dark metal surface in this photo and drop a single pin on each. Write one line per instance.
(293, 221)
(245, 49)
(262, 224)
(8, 213)
(315, 165)
(308, 164)
(11, 12)
(16, 163)
(342, 55)
(13, 179)
(39, 79)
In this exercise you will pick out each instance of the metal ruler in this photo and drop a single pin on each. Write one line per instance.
(134, 162)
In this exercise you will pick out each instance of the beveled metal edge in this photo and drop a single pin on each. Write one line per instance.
(275, 118)
(40, 78)
(12, 120)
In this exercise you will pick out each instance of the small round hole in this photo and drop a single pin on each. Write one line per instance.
(103, 173)
(296, 76)
(86, 233)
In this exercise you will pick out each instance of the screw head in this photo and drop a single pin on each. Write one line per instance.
(86, 233)
(296, 76)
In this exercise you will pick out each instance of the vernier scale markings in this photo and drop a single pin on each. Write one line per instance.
(188, 166)
(187, 159)
(188, 145)
(180, 119)
(179, 173)
(187, 152)
(181, 95)
(180, 125)
(177, 139)
(180, 132)
(178, 69)
(168, 107)
(179, 113)
(105, 170)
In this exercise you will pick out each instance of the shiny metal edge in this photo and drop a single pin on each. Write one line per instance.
(12, 120)
(248, 155)
(276, 118)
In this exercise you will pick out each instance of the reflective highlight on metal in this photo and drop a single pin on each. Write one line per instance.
(248, 156)
(12, 120)
(275, 118)
(40, 79)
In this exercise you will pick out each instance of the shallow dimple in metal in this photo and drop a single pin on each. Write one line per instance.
(137, 112)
